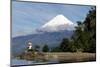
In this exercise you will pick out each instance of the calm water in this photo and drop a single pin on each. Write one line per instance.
(50, 61)
(25, 62)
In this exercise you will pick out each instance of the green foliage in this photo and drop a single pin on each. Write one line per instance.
(45, 48)
(84, 38)
(36, 47)
(31, 50)
(67, 45)
(64, 45)
(73, 47)
(85, 33)
(55, 49)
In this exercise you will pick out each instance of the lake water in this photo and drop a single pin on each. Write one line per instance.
(25, 62)
(55, 59)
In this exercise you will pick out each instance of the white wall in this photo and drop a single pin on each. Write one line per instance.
(5, 33)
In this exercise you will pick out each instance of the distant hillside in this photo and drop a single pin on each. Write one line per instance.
(52, 39)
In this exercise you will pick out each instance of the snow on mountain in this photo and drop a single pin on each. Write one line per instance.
(52, 34)
(58, 23)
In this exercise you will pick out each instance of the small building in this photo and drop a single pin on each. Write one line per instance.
(30, 48)
(29, 45)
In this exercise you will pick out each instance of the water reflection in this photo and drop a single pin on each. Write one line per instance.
(51, 60)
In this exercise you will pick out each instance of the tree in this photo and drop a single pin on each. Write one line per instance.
(85, 34)
(36, 47)
(65, 45)
(55, 49)
(90, 27)
(45, 48)
(73, 48)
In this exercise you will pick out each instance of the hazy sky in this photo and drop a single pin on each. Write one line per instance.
(29, 16)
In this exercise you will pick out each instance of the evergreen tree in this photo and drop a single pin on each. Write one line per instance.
(36, 47)
(45, 48)
(65, 46)
(85, 33)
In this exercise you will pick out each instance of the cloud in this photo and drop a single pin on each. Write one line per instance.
(27, 17)
(24, 33)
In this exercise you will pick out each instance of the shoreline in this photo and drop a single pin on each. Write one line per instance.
(63, 57)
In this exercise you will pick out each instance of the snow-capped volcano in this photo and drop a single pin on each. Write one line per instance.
(58, 23)
(50, 33)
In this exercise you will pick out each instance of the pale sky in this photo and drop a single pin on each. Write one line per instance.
(29, 16)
